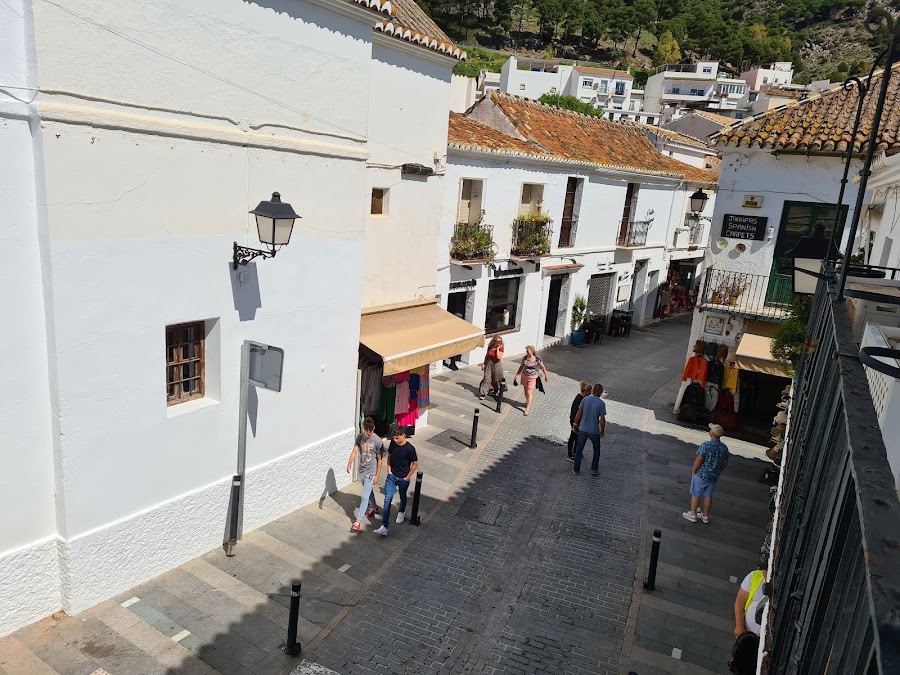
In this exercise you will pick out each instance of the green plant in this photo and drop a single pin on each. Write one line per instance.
(788, 341)
(579, 312)
(532, 234)
(571, 103)
(472, 241)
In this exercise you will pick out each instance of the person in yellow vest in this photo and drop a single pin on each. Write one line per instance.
(748, 606)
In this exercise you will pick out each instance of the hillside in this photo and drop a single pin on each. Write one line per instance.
(823, 38)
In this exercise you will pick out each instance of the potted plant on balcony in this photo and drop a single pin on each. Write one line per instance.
(579, 313)
(472, 241)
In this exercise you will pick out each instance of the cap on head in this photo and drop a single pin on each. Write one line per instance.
(717, 430)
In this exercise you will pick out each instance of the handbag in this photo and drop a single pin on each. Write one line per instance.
(540, 385)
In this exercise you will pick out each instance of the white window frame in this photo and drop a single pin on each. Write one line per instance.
(587, 83)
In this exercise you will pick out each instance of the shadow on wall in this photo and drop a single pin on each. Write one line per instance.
(245, 291)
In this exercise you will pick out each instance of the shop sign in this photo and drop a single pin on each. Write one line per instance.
(744, 227)
(715, 325)
(509, 272)
(459, 285)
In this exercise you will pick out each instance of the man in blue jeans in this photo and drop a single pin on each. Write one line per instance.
(590, 422)
(402, 463)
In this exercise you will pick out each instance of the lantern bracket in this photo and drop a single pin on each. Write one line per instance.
(243, 254)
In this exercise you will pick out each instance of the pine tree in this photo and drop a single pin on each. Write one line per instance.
(667, 50)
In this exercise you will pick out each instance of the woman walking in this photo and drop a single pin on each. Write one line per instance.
(585, 390)
(493, 367)
(530, 369)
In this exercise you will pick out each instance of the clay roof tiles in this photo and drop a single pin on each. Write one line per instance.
(604, 72)
(593, 140)
(467, 134)
(407, 21)
(672, 135)
(721, 119)
(820, 122)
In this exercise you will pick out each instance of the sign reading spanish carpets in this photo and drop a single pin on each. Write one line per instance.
(744, 227)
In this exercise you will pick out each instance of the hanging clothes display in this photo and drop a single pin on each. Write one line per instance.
(424, 392)
(730, 378)
(387, 400)
(695, 369)
(370, 385)
(714, 371)
(401, 397)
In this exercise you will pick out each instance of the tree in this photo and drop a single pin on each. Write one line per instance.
(667, 50)
(571, 103)
(787, 343)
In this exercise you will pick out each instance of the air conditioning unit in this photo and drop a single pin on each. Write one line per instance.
(862, 312)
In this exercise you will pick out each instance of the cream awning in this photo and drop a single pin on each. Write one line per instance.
(754, 351)
(416, 336)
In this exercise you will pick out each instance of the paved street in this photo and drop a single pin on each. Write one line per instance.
(519, 566)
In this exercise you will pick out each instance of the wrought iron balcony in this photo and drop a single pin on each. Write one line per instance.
(750, 295)
(836, 566)
(531, 235)
(636, 234)
(567, 232)
(472, 241)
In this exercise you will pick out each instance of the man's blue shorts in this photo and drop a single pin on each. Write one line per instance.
(701, 488)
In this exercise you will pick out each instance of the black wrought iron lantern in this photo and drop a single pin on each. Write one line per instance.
(807, 257)
(698, 201)
(274, 223)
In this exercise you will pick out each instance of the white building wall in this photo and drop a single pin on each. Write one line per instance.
(463, 92)
(407, 124)
(29, 570)
(777, 179)
(531, 83)
(146, 190)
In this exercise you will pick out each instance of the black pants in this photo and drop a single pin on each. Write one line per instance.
(573, 438)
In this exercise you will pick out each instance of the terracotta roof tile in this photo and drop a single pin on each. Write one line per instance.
(467, 134)
(720, 119)
(820, 122)
(409, 22)
(671, 135)
(785, 93)
(592, 140)
(604, 72)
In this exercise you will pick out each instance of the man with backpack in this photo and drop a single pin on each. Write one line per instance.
(748, 609)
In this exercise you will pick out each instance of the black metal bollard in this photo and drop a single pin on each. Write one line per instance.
(292, 648)
(474, 442)
(650, 584)
(414, 519)
(500, 393)
(232, 532)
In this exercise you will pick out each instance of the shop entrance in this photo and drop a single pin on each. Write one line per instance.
(459, 304)
(553, 306)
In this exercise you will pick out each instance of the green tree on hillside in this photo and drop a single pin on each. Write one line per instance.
(667, 50)
(571, 103)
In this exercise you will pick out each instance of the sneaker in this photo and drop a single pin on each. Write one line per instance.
(382, 531)
(401, 517)
(575, 472)
(595, 473)
(703, 517)
(356, 526)
(370, 512)
(686, 515)
(570, 458)
(481, 398)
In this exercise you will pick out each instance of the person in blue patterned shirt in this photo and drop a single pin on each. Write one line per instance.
(711, 460)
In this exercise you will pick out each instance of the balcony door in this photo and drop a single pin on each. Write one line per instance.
(797, 221)
(567, 228)
(627, 214)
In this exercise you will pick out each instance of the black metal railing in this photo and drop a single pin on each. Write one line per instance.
(531, 235)
(836, 571)
(472, 241)
(742, 294)
(567, 227)
(636, 235)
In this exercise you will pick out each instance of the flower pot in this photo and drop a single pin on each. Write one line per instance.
(578, 338)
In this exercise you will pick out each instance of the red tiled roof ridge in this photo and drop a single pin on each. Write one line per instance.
(761, 130)
(404, 15)
(383, 7)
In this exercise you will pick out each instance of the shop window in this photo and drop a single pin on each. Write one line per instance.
(469, 208)
(185, 362)
(502, 305)
(532, 198)
(379, 201)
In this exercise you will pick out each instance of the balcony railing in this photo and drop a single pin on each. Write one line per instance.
(751, 295)
(567, 229)
(531, 235)
(472, 241)
(636, 234)
(836, 564)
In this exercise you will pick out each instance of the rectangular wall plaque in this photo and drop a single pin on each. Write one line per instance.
(744, 227)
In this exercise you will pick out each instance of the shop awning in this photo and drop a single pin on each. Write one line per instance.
(754, 350)
(415, 336)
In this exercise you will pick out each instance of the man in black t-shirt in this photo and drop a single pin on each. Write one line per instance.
(402, 463)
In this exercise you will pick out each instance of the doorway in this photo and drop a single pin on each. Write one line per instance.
(550, 325)
(459, 304)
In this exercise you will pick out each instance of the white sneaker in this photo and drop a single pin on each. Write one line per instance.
(687, 516)
(703, 517)
(382, 531)
(401, 517)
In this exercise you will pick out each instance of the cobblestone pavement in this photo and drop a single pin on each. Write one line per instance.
(519, 566)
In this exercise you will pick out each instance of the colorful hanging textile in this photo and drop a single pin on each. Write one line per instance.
(409, 417)
(424, 400)
(386, 401)
(401, 398)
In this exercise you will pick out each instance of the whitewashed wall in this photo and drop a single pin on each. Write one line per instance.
(148, 168)
(536, 83)
(407, 123)
(777, 179)
(29, 570)
(885, 185)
